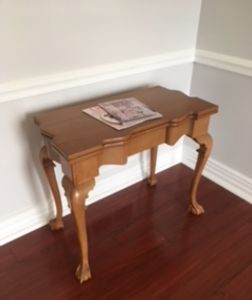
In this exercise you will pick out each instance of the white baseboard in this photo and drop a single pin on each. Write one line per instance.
(115, 178)
(112, 179)
(224, 176)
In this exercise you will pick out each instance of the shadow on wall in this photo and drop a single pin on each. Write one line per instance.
(34, 169)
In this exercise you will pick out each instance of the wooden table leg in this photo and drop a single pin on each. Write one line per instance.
(152, 180)
(77, 196)
(205, 143)
(48, 166)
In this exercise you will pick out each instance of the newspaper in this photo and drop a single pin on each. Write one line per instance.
(102, 115)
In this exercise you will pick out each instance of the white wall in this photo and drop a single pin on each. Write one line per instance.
(46, 37)
(59, 52)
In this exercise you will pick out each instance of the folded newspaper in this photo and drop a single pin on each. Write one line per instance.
(122, 113)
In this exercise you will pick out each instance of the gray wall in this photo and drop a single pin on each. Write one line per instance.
(231, 128)
(225, 27)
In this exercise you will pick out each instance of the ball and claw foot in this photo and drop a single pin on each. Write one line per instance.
(152, 181)
(83, 273)
(196, 209)
(56, 224)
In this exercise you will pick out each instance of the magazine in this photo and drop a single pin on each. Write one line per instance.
(128, 109)
(132, 116)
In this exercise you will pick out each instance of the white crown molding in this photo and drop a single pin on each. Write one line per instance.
(225, 62)
(224, 176)
(110, 181)
(57, 82)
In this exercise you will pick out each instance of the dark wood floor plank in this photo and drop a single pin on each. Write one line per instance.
(218, 268)
(190, 251)
(239, 287)
(143, 245)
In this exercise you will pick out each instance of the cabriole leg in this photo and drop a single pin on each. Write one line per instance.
(205, 143)
(48, 167)
(77, 196)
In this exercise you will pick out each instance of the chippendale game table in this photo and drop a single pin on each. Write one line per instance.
(81, 144)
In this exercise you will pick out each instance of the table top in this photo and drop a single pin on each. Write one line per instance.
(73, 132)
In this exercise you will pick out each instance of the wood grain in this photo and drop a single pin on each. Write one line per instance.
(49, 166)
(143, 245)
(81, 144)
(69, 127)
(76, 196)
(152, 180)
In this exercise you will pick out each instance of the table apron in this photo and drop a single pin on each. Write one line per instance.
(85, 168)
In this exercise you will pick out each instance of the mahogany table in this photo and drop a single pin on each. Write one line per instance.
(81, 144)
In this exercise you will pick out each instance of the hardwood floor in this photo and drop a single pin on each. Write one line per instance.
(143, 245)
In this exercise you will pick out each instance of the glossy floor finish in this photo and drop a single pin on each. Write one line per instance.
(143, 245)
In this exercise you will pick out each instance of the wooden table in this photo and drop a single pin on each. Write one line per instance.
(81, 144)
